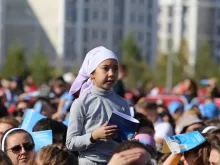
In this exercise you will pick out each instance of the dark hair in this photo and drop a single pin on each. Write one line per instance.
(50, 124)
(214, 122)
(144, 121)
(4, 159)
(126, 145)
(13, 133)
(147, 105)
(53, 155)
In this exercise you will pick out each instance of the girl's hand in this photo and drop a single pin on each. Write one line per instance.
(104, 132)
(126, 157)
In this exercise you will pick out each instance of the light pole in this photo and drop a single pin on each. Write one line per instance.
(169, 77)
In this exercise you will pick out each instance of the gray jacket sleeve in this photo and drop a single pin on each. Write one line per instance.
(75, 140)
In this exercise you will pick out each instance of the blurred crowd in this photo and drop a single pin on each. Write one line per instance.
(161, 114)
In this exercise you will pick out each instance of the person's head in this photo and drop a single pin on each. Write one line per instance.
(16, 84)
(213, 122)
(7, 123)
(176, 109)
(148, 109)
(18, 144)
(146, 126)
(189, 123)
(29, 80)
(44, 107)
(99, 68)
(216, 132)
(53, 155)
(190, 87)
(214, 157)
(198, 155)
(59, 87)
(147, 152)
(58, 129)
(106, 74)
(4, 159)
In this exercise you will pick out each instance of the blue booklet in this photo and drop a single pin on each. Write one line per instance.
(182, 142)
(30, 119)
(127, 125)
(42, 138)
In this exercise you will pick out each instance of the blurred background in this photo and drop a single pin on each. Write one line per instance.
(161, 42)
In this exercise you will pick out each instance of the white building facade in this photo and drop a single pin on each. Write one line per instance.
(67, 29)
(196, 21)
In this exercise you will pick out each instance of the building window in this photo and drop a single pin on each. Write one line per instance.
(170, 10)
(218, 14)
(148, 56)
(150, 4)
(86, 15)
(170, 28)
(141, 18)
(141, 2)
(104, 15)
(85, 51)
(85, 35)
(218, 30)
(104, 35)
(74, 15)
(149, 20)
(95, 15)
(94, 34)
(148, 38)
(140, 37)
(118, 3)
(132, 18)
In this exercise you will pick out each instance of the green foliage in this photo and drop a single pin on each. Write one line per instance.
(206, 66)
(76, 68)
(179, 64)
(138, 69)
(160, 70)
(15, 64)
(40, 67)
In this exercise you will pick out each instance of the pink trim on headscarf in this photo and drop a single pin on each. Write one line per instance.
(93, 58)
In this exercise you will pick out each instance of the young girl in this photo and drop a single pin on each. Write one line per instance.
(88, 130)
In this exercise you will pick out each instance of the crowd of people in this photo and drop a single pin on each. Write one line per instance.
(86, 101)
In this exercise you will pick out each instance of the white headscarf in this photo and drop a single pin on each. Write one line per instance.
(93, 58)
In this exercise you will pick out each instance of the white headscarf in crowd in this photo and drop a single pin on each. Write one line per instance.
(93, 58)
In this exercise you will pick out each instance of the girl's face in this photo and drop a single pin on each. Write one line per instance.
(106, 74)
(20, 148)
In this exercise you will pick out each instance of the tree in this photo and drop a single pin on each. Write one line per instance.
(160, 70)
(138, 69)
(179, 65)
(40, 67)
(205, 66)
(15, 64)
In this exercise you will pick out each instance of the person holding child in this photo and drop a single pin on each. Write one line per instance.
(88, 131)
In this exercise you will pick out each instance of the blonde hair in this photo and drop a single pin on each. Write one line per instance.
(9, 120)
(54, 154)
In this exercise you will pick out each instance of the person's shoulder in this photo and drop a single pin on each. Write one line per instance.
(87, 98)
